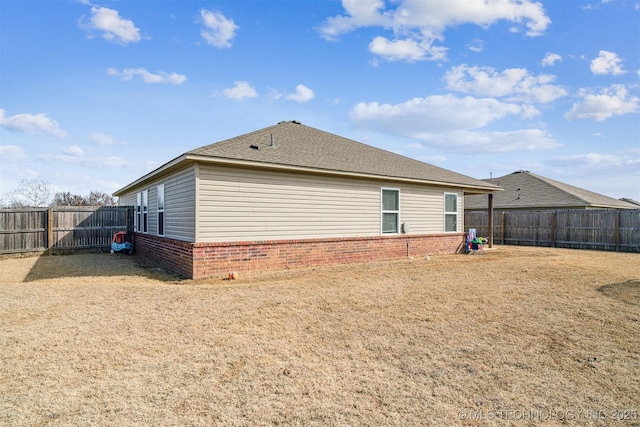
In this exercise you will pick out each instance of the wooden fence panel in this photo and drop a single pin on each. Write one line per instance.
(588, 229)
(479, 221)
(629, 231)
(61, 228)
(603, 229)
(87, 227)
(532, 228)
(23, 230)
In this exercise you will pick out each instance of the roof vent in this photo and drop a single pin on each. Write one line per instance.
(296, 122)
(254, 147)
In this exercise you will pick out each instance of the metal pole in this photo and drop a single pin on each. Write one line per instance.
(490, 220)
(49, 231)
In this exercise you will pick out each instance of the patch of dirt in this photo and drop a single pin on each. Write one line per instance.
(517, 336)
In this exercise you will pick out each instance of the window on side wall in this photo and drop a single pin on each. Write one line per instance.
(390, 211)
(138, 226)
(145, 211)
(161, 210)
(450, 212)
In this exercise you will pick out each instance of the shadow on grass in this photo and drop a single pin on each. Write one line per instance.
(628, 292)
(105, 265)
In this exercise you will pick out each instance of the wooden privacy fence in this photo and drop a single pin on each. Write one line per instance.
(63, 228)
(603, 229)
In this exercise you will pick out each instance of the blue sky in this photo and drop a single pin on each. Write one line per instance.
(93, 94)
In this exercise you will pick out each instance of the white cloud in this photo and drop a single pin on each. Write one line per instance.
(303, 94)
(89, 162)
(31, 124)
(598, 160)
(218, 31)
(74, 150)
(614, 174)
(241, 90)
(436, 113)
(607, 63)
(12, 153)
(275, 94)
(612, 101)
(114, 28)
(112, 161)
(60, 158)
(513, 83)
(497, 142)
(104, 139)
(453, 123)
(409, 50)
(596, 6)
(147, 77)
(361, 13)
(416, 25)
(529, 112)
(476, 45)
(550, 59)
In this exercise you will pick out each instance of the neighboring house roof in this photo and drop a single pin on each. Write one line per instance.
(526, 190)
(293, 146)
(633, 202)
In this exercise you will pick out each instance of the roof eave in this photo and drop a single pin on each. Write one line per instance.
(605, 206)
(173, 165)
(185, 159)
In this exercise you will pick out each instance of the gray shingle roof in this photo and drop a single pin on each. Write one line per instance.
(297, 145)
(632, 201)
(536, 191)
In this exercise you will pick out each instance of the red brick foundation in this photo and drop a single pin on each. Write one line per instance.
(201, 260)
(174, 255)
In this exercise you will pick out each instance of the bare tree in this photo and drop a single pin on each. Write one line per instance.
(31, 193)
(95, 198)
(99, 198)
(68, 199)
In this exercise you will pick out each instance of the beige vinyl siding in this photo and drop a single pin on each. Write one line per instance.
(153, 209)
(180, 201)
(127, 200)
(423, 208)
(180, 191)
(237, 204)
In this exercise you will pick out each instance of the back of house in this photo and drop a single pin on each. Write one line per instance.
(290, 195)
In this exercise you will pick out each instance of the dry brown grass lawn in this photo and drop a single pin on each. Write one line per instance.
(519, 336)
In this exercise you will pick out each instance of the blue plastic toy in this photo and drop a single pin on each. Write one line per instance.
(121, 243)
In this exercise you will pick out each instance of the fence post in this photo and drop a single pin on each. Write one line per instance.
(49, 231)
(502, 228)
(553, 229)
(617, 230)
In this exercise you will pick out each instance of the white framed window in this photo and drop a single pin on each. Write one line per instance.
(161, 210)
(390, 210)
(145, 211)
(450, 212)
(138, 225)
